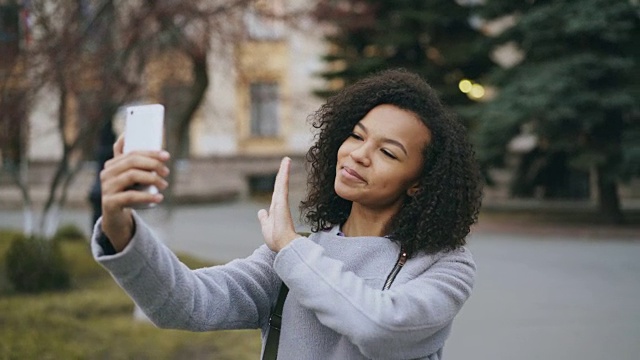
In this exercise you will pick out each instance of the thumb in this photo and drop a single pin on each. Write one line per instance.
(118, 146)
(262, 216)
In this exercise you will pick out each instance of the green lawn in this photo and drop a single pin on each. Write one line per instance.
(94, 320)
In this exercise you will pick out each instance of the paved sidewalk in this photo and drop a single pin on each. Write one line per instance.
(542, 292)
(504, 222)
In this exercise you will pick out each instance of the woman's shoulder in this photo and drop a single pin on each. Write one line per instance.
(461, 254)
(457, 260)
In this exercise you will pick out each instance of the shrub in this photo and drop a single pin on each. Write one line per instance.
(36, 265)
(69, 232)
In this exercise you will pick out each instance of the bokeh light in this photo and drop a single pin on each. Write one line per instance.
(465, 86)
(477, 92)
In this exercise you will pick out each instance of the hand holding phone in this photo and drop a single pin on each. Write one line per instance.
(144, 128)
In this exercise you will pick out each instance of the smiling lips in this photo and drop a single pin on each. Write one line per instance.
(352, 174)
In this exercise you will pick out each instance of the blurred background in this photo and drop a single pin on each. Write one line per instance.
(548, 90)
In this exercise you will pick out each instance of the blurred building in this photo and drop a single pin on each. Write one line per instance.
(255, 109)
(259, 97)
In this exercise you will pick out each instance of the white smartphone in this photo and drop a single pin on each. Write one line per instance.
(144, 130)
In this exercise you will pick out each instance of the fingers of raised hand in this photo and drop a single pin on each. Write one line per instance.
(281, 187)
(277, 225)
(148, 161)
(124, 171)
(138, 177)
(129, 198)
(120, 188)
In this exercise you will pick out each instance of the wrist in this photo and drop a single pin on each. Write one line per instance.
(288, 239)
(119, 231)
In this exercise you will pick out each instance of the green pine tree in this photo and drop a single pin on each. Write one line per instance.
(577, 88)
(433, 38)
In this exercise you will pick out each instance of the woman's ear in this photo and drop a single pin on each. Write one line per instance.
(413, 190)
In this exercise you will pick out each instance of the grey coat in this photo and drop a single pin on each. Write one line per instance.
(335, 309)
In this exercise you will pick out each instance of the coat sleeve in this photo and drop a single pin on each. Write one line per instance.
(377, 322)
(232, 296)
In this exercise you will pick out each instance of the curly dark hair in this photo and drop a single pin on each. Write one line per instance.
(438, 217)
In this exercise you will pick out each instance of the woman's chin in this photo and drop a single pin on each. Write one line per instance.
(344, 193)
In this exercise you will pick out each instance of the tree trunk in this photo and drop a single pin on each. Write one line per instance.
(62, 167)
(608, 199)
(20, 177)
(178, 131)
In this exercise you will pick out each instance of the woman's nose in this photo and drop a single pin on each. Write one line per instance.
(361, 155)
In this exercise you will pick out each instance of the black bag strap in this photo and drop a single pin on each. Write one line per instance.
(275, 322)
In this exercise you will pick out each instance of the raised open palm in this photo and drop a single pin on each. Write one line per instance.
(277, 223)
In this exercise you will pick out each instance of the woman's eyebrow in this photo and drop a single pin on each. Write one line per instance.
(386, 140)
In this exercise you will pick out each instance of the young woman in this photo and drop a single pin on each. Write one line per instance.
(394, 189)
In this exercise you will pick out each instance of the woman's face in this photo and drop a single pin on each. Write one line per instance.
(379, 163)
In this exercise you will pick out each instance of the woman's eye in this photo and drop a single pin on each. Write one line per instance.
(355, 136)
(389, 154)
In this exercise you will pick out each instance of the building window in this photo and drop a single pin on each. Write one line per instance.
(264, 109)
